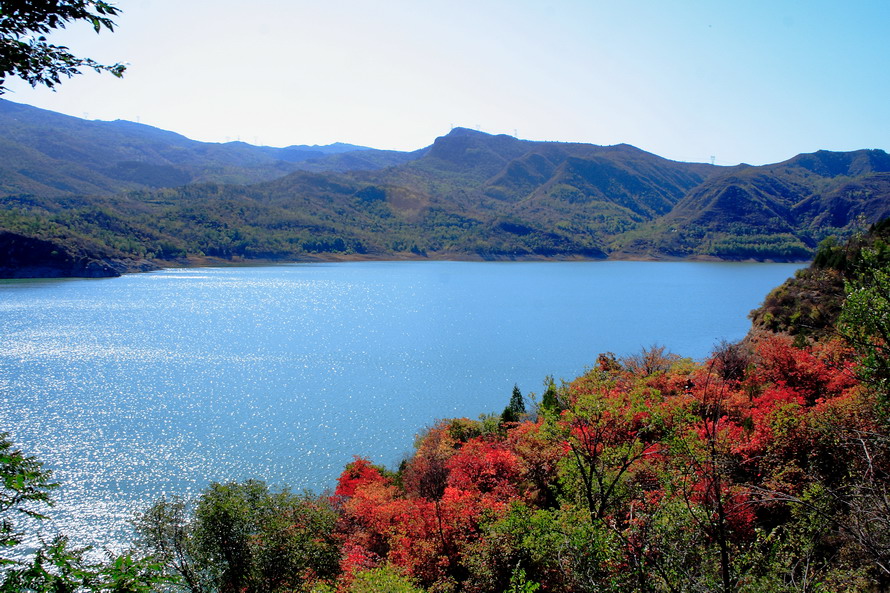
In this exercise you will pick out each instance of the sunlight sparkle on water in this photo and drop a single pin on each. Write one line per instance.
(156, 384)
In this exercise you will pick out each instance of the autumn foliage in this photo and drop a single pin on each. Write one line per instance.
(762, 469)
(640, 475)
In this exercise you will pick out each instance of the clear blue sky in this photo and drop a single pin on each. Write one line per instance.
(745, 81)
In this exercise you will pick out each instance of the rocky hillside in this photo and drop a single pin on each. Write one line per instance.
(27, 257)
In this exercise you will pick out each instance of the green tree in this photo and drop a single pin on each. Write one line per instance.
(55, 567)
(242, 537)
(515, 409)
(165, 532)
(550, 400)
(865, 318)
(58, 568)
(24, 50)
(25, 491)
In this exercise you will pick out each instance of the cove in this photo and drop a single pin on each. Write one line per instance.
(156, 384)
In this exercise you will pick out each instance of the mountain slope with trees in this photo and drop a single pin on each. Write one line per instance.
(780, 210)
(469, 195)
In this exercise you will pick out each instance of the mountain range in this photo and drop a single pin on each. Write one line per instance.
(47, 153)
(109, 197)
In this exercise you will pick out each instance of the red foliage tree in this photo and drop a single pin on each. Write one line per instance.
(356, 474)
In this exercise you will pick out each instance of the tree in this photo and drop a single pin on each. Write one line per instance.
(165, 531)
(385, 578)
(550, 400)
(24, 50)
(244, 538)
(651, 360)
(607, 433)
(704, 458)
(359, 472)
(55, 566)
(26, 488)
(865, 319)
(58, 568)
(515, 410)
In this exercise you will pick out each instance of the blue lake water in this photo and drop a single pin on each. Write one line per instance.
(153, 384)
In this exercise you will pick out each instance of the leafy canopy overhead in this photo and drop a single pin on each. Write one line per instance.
(24, 50)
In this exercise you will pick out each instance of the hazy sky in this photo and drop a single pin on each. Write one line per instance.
(742, 81)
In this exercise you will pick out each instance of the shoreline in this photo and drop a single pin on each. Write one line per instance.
(207, 261)
(113, 268)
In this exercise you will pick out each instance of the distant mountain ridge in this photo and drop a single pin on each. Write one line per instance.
(47, 153)
(469, 195)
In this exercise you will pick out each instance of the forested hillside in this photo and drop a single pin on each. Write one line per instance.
(809, 304)
(765, 468)
(469, 195)
(780, 210)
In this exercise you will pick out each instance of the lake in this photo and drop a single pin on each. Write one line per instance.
(156, 384)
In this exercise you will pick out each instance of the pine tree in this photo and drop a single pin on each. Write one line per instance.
(515, 410)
